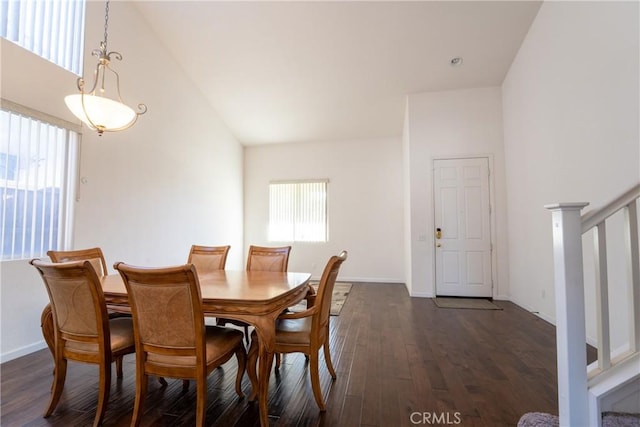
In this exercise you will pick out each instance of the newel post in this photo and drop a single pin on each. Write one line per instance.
(570, 313)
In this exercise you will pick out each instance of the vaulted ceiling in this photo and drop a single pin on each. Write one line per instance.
(315, 70)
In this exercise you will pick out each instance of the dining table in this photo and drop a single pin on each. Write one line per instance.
(254, 297)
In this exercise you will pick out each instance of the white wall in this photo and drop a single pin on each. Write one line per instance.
(452, 123)
(172, 180)
(571, 130)
(364, 199)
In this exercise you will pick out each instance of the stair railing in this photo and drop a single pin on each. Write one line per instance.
(568, 227)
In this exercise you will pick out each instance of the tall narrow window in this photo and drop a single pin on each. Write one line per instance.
(298, 211)
(52, 29)
(37, 163)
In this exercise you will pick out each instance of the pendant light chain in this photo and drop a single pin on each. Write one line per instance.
(106, 23)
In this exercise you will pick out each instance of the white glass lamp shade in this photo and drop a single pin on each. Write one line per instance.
(104, 114)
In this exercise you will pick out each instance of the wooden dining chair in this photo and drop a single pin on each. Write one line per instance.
(305, 332)
(208, 258)
(96, 258)
(83, 331)
(171, 338)
(93, 255)
(261, 258)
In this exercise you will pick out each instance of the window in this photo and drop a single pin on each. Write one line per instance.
(37, 163)
(298, 211)
(52, 29)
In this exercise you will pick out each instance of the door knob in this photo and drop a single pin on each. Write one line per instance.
(438, 233)
(438, 245)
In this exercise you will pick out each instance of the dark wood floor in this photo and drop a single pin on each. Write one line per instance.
(400, 361)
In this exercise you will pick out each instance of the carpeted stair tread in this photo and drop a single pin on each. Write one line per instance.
(609, 419)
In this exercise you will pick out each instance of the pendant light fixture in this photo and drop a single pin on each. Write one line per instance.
(94, 108)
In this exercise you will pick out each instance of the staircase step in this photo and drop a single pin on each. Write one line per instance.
(538, 419)
(609, 419)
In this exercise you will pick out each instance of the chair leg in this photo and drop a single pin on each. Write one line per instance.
(241, 355)
(315, 380)
(59, 375)
(141, 393)
(201, 400)
(327, 359)
(252, 361)
(278, 357)
(104, 390)
(119, 366)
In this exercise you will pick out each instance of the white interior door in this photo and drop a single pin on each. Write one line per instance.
(462, 227)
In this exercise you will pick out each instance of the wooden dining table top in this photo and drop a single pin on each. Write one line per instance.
(223, 291)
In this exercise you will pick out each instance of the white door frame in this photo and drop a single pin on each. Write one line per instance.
(492, 216)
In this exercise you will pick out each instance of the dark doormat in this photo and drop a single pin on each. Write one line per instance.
(472, 303)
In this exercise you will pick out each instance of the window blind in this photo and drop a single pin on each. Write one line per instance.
(37, 161)
(52, 29)
(298, 211)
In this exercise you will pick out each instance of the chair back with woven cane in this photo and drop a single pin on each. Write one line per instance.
(262, 258)
(96, 258)
(93, 255)
(208, 258)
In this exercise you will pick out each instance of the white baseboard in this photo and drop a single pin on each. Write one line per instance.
(547, 318)
(541, 315)
(23, 351)
(422, 294)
